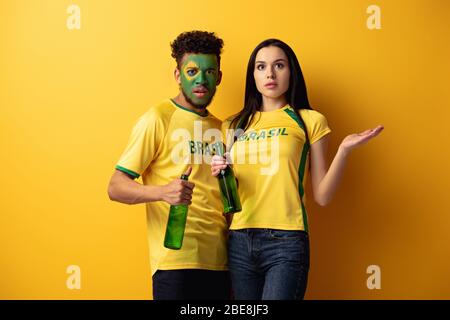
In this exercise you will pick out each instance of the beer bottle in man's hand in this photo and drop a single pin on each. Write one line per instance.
(176, 223)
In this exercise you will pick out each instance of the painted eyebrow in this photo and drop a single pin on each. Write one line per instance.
(196, 68)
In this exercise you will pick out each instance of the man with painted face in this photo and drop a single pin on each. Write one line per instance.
(199, 269)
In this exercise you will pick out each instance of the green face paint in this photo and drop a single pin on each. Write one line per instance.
(199, 74)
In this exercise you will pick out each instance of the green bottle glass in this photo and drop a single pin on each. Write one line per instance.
(228, 189)
(176, 224)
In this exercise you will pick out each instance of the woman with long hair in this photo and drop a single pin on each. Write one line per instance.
(274, 143)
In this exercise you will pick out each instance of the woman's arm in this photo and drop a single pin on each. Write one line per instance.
(325, 181)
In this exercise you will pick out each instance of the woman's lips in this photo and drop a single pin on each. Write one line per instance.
(270, 85)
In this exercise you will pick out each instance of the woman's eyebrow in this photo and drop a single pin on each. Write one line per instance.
(281, 59)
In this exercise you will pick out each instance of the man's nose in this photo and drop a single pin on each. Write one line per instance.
(201, 79)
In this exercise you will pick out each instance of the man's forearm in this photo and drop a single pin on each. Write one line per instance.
(133, 192)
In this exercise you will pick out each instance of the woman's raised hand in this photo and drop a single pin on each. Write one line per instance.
(357, 139)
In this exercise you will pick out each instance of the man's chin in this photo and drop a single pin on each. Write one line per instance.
(199, 104)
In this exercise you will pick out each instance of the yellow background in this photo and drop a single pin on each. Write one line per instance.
(69, 99)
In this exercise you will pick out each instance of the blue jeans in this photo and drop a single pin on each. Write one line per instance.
(191, 284)
(268, 264)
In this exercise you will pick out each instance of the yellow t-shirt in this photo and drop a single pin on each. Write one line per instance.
(270, 161)
(161, 144)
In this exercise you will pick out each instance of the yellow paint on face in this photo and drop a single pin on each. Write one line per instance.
(191, 65)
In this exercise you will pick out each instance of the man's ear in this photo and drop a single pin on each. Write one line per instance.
(176, 75)
(219, 78)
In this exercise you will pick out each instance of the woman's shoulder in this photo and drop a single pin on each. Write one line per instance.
(312, 115)
(310, 112)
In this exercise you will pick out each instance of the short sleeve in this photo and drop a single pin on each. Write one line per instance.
(318, 126)
(143, 144)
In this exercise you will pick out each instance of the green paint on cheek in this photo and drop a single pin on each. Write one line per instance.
(200, 70)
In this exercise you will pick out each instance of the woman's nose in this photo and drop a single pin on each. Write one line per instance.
(270, 74)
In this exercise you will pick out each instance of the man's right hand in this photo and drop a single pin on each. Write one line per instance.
(179, 191)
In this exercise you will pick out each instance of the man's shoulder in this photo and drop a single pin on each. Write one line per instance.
(216, 121)
(161, 111)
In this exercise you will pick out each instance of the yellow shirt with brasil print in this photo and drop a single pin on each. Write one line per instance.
(270, 161)
(162, 142)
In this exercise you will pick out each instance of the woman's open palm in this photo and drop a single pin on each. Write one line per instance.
(357, 139)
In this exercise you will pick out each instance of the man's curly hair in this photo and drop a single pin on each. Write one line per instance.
(196, 42)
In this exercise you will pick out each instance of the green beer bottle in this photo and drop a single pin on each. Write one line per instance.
(228, 189)
(176, 224)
